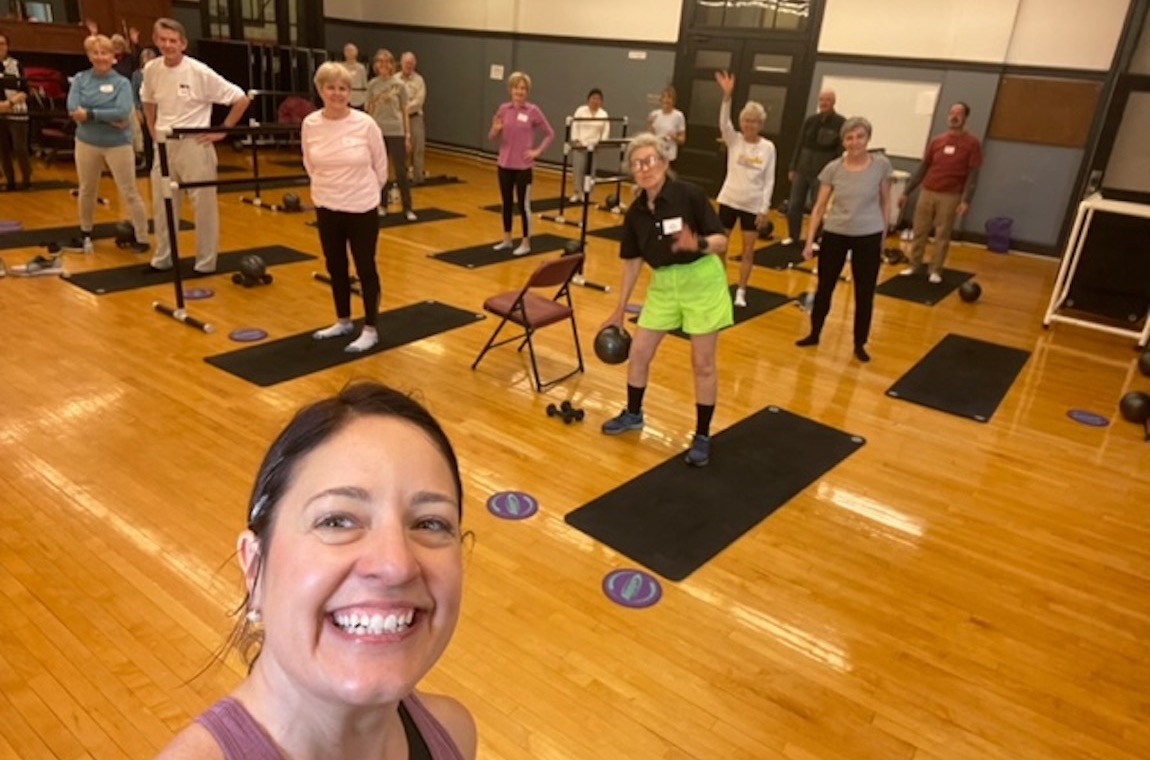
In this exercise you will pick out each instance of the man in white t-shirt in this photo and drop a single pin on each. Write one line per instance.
(178, 92)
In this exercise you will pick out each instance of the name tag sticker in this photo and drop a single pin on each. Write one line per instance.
(351, 142)
(948, 150)
(673, 226)
(522, 117)
(106, 88)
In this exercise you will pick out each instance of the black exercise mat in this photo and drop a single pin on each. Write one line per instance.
(962, 376)
(298, 355)
(33, 238)
(778, 256)
(543, 204)
(759, 302)
(485, 254)
(440, 179)
(919, 289)
(104, 281)
(53, 184)
(609, 233)
(397, 219)
(674, 518)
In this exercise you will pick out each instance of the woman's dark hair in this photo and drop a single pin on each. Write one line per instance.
(594, 91)
(309, 428)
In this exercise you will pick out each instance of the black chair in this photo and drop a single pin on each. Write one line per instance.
(533, 311)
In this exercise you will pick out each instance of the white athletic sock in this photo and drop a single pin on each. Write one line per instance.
(503, 246)
(524, 247)
(342, 327)
(368, 338)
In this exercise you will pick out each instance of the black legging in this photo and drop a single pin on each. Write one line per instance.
(339, 230)
(518, 180)
(14, 144)
(397, 160)
(866, 256)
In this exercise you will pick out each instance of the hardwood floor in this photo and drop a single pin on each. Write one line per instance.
(953, 590)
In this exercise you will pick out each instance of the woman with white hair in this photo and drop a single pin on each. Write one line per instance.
(746, 193)
(854, 193)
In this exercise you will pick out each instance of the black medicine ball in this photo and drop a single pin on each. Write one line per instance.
(1135, 407)
(292, 202)
(969, 291)
(252, 267)
(612, 345)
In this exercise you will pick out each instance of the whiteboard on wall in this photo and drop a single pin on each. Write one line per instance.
(901, 112)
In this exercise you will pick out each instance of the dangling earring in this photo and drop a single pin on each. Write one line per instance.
(255, 617)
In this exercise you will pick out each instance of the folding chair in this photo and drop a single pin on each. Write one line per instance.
(533, 311)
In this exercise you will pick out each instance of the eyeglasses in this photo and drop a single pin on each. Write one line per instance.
(641, 164)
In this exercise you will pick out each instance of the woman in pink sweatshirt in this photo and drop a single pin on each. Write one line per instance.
(337, 141)
(514, 125)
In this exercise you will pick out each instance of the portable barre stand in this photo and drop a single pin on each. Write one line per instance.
(589, 180)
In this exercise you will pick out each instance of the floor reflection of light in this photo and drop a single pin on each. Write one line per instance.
(870, 509)
(794, 638)
(75, 409)
(75, 497)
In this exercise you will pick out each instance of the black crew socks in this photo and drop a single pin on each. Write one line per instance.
(703, 415)
(635, 399)
(810, 340)
(861, 354)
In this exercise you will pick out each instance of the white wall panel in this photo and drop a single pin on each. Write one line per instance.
(1067, 34)
(349, 9)
(639, 20)
(472, 15)
(966, 30)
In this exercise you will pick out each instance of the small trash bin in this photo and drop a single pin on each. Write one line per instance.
(998, 233)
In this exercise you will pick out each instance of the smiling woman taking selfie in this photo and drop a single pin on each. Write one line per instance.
(353, 564)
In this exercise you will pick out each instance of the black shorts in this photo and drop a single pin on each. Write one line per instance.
(728, 216)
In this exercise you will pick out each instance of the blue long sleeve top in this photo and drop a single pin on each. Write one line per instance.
(108, 100)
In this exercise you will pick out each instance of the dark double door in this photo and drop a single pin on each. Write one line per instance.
(774, 73)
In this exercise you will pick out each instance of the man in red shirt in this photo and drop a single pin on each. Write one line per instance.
(948, 174)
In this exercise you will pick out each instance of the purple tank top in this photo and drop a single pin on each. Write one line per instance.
(242, 738)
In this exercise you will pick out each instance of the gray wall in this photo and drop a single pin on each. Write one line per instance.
(188, 14)
(462, 98)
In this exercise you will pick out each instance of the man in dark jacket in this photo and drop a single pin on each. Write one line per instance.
(819, 144)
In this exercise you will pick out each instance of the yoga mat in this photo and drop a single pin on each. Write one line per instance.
(42, 237)
(104, 281)
(759, 302)
(485, 254)
(266, 183)
(674, 518)
(608, 233)
(437, 180)
(397, 219)
(918, 289)
(778, 256)
(297, 355)
(543, 204)
(962, 376)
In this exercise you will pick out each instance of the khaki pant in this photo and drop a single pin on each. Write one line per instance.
(934, 212)
(121, 161)
(188, 161)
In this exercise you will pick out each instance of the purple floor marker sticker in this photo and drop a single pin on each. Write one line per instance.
(632, 588)
(248, 334)
(512, 505)
(198, 294)
(1087, 418)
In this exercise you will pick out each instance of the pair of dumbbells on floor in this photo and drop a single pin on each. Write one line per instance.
(567, 412)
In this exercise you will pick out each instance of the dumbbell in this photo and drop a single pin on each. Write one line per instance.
(566, 411)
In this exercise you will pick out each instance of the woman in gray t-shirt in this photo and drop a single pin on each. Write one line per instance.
(854, 194)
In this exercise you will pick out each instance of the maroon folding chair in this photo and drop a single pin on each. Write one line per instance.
(533, 311)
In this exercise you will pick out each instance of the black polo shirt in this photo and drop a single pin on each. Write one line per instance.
(677, 202)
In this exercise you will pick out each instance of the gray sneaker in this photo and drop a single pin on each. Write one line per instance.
(624, 422)
(699, 455)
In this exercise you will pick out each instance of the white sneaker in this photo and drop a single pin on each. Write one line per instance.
(575, 199)
(504, 246)
(816, 247)
(935, 278)
(909, 271)
(410, 216)
(740, 297)
(788, 241)
(523, 249)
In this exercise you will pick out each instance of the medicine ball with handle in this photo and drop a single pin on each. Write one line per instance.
(612, 345)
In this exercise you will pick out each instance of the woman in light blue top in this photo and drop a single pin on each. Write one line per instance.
(100, 102)
(854, 194)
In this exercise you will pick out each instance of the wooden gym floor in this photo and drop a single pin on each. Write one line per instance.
(953, 590)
